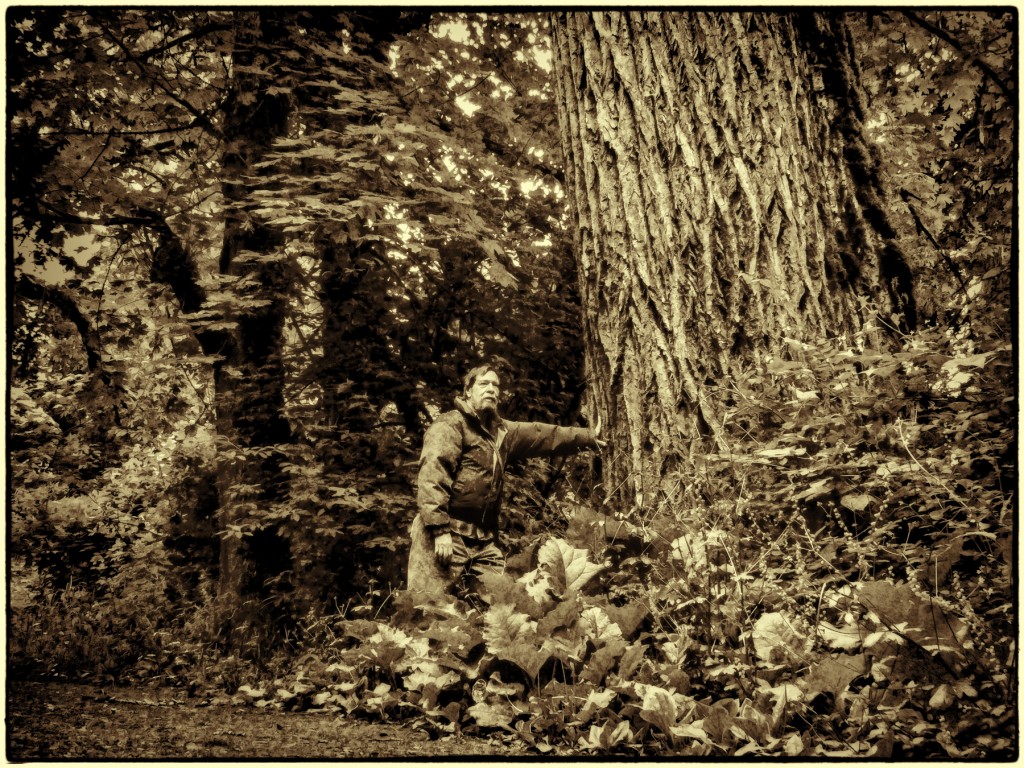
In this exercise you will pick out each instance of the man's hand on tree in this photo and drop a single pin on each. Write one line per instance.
(443, 548)
(597, 434)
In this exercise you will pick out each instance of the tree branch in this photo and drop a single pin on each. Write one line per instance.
(194, 35)
(959, 48)
(941, 251)
(195, 124)
(201, 118)
(26, 287)
(102, 221)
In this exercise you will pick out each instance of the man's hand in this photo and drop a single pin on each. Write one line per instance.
(597, 434)
(443, 548)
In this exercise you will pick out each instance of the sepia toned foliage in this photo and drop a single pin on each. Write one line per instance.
(252, 252)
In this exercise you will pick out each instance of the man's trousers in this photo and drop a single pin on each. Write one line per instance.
(470, 558)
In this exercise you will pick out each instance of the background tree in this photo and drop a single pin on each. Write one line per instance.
(320, 256)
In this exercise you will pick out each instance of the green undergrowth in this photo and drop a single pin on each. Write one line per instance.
(835, 580)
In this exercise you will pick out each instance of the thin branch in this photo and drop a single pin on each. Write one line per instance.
(103, 221)
(203, 119)
(29, 288)
(103, 287)
(941, 251)
(103, 151)
(195, 124)
(476, 85)
(196, 34)
(957, 46)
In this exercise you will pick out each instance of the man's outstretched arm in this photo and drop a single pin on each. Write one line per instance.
(527, 439)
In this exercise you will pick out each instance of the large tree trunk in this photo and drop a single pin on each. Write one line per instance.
(725, 201)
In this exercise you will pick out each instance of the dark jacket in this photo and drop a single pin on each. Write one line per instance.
(462, 465)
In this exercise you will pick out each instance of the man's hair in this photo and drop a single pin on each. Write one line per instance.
(476, 373)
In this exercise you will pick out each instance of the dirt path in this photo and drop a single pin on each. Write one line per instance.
(46, 721)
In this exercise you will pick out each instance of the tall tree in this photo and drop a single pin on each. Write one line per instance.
(726, 203)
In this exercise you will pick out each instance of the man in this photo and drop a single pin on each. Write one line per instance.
(462, 467)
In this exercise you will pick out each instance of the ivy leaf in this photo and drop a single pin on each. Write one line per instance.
(794, 745)
(971, 361)
(942, 697)
(856, 502)
(816, 489)
(569, 567)
(690, 731)
(834, 675)
(597, 700)
(607, 736)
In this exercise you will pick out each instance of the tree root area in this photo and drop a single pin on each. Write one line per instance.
(56, 721)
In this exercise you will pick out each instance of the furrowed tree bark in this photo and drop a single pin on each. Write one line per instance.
(725, 202)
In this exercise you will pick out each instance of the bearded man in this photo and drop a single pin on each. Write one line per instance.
(459, 487)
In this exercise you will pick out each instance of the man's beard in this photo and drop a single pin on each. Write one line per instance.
(488, 411)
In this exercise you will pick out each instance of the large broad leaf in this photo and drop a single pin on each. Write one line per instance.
(833, 675)
(500, 589)
(512, 637)
(562, 616)
(504, 627)
(926, 622)
(632, 658)
(784, 695)
(604, 660)
(659, 709)
(441, 679)
(842, 638)
(776, 639)
(499, 714)
(537, 584)
(570, 568)
(629, 617)
(597, 627)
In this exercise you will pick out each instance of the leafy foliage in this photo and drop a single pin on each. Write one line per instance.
(728, 627)
(832, 583)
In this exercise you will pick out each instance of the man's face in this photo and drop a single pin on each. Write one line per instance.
(483, 395)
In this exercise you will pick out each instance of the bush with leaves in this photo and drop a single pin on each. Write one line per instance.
(839, 588)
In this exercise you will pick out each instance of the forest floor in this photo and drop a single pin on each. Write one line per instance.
(55, 721)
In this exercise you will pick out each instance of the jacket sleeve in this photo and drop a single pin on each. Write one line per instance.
(527, 439)
(439, 461)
